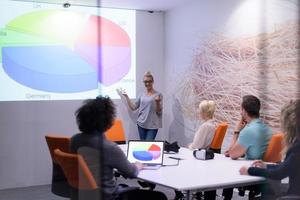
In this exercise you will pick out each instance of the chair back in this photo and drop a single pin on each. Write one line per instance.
(76, 170)
(116, 133)
(273, 152)
(59, 185)
(218, 138)
(57, 142)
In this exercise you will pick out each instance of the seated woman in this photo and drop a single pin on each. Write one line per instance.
(290, 124)
(202, 139)
(93, 118)
(206, 131)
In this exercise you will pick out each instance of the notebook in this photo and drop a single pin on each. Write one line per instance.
(150, 153)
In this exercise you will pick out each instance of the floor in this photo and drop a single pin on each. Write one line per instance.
(43, 192)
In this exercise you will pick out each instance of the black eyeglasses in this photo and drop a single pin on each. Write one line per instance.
(150, 81)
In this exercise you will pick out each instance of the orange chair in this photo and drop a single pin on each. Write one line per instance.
(273, 152)
(83, 184)
(116, 133)
(59, 184)
(217, 141)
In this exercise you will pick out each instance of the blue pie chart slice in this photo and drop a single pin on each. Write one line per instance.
(147, 153)
(49, 68)
(142, 155)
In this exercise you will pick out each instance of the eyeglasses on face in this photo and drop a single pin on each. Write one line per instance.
(148, 81)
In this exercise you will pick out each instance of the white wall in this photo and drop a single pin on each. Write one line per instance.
(185, 26)
(190, 26)
(25, 160)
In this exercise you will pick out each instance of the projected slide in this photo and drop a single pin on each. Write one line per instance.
(65, 54)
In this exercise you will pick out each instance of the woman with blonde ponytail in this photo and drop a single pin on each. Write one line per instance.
(149, 107)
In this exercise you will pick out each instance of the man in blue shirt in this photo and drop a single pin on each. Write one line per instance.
(251, 136)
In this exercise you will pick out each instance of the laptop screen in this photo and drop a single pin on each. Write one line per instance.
(147, 152)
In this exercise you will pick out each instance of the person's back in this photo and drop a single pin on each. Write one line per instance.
(255, 137)
(251, 136)
(103, 156)
(106, 157)
(88, 145)
(290, 166)
(294, 173)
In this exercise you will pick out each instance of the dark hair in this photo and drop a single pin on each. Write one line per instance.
(95, 115)
(251, 105)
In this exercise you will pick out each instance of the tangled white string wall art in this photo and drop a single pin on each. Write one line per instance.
(225, 69)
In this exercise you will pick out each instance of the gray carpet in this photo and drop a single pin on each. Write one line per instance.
(43, 192)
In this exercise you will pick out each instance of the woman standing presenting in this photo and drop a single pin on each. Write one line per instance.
(149, 106)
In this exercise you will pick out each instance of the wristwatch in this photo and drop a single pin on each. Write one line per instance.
(236, 132)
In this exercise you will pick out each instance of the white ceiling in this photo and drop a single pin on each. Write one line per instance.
(150, 5)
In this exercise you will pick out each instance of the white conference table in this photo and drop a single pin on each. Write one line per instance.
(198, 175)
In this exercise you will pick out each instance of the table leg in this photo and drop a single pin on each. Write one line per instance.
(188, 195)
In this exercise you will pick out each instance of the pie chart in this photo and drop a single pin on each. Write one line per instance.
(64, 51)
(147, 153)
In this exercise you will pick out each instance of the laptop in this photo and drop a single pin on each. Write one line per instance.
(150, 153)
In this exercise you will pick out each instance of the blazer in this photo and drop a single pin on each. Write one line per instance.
(290, 167)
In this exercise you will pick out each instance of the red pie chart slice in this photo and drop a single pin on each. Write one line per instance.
(106, 46)
(147, 153)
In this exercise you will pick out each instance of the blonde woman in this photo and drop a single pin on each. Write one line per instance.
(203, 138)
(290, 124)
(149, 106)
(206, 131)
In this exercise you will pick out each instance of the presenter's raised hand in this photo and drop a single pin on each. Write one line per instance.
(125, 95)
(121, 92)
(157, 99)
(158, 106)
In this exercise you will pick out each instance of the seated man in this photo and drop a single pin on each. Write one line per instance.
(251, 136)
(291, 164)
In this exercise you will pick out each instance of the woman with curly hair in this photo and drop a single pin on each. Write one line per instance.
(102, 156)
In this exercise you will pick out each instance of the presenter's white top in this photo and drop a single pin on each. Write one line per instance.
(148, 118)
